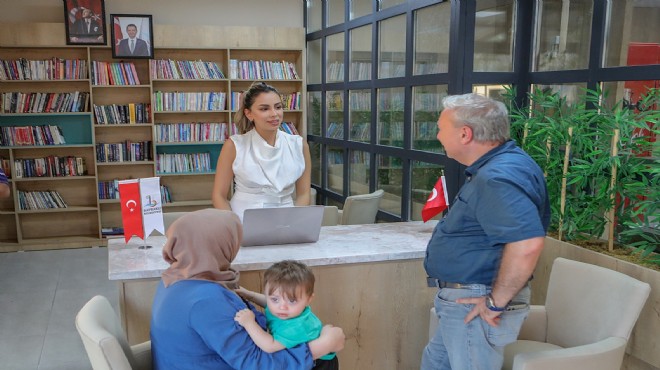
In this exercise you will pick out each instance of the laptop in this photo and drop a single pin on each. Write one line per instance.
(283, 225)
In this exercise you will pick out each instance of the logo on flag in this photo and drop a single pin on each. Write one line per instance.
(437, 202)
(141, 211)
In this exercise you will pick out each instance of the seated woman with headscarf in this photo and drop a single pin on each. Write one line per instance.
(192, 324)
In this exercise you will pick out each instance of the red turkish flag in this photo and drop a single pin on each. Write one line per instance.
(131, 209)
(118, 34)
(438, 200)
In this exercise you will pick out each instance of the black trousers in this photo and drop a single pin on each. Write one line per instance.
(326, 364)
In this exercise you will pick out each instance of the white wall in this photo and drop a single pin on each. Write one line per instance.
(267, 13)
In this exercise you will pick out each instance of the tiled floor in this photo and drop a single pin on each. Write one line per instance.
(40, 295)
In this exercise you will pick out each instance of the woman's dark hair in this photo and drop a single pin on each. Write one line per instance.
(247, 99)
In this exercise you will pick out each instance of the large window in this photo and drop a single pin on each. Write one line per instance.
(373, 116)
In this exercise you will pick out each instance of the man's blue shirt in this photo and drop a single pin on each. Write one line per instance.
(503, 200)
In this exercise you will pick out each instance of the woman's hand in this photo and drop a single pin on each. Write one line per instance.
(244, 317)
(332, 339)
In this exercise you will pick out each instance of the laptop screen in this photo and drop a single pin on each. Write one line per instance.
(283, 225)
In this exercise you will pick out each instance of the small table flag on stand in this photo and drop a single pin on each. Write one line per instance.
(437, 202)
(141, 210)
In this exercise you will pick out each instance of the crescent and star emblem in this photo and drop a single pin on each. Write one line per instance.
(132, 208)
(435, 194)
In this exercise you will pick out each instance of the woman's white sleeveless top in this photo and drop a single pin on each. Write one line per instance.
(265, 175)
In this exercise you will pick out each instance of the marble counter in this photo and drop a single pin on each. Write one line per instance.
(337, 245)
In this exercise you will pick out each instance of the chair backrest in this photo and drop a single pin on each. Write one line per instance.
(103, 336)
(330, 216)
(587, 303)
(361, 209)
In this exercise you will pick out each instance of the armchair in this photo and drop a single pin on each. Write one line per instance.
(361, 209)
(105, 341)
(585, 324)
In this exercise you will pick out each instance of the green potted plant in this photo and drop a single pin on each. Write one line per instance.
(604, 189)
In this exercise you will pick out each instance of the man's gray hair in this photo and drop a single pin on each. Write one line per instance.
(488, 118)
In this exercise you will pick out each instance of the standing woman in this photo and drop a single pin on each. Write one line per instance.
(266, 163)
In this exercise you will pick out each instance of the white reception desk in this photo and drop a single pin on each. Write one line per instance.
(369, 280)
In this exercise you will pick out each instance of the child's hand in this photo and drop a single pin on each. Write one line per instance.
(244, 317)
(243, 293)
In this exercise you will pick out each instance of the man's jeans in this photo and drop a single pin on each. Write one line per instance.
(475, 345)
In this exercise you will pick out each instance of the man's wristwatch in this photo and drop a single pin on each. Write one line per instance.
(490, 303)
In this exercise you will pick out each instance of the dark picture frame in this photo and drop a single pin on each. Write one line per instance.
(135, 27)
(85, 22)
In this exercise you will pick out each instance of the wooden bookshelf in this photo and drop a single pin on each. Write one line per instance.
(79, 225)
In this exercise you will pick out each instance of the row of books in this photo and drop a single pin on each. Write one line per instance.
(49, 69)
(110, 190)
(183, 162)
(107, 73)
(262, 69)
(194, 132)
(169, 101)
(168, 69)
(44, 102)
(360, 71)
(289, 128)
(127, 151)
(360, 131)
(51, 166)
(31, 135)
(335, 130)
(40, 200)
(335, 71)
(122, 113)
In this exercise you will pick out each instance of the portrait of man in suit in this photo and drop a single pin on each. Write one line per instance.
(132, 46)
(132, 36)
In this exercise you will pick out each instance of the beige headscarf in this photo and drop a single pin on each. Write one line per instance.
(201, 246)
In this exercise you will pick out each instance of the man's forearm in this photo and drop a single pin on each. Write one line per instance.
(518, 262)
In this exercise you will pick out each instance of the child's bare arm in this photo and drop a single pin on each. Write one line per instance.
(261, 338)
(254, 297)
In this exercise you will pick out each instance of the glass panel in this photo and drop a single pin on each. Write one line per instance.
(360, 8)
(564, 35)
(492, 91)
(634, 33)
(384, 4)
(392, 47)
(493, 39)
(359, 172)
(315, 152)
(360, 115)
(424, 177)
(336, 169)
(335, 58)
(390, 179)
(360, 53)
(314, 113)
(335, 109)
(390, 116)
(314, 15)
(336, 12)
(427, 104)
(314, 62)
(573, 93)
(432, 39)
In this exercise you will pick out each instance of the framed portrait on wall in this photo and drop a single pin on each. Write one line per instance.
(132, 36)
(85, 22)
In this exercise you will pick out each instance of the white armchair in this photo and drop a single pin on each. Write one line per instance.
(105, 341)
(361, 209)
(585, 324)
